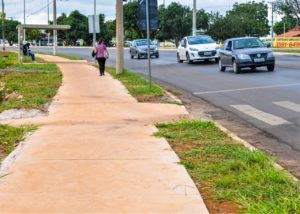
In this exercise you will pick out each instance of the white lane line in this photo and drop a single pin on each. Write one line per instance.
(246, 89)
(289, 105)
(261, 115)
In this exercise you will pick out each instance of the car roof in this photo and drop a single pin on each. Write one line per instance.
(197, 36)
(242, 38)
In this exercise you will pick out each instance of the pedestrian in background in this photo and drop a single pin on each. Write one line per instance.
(101, 56)
(28, 52)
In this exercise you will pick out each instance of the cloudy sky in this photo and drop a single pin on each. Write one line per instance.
(36, 10)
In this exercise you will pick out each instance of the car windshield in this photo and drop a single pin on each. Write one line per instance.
(247, 43)
(143, 42)
(200, 40)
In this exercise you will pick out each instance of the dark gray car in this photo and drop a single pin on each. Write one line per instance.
(139, 49)
(245, 52)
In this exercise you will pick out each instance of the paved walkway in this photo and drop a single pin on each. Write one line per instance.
(95, 153)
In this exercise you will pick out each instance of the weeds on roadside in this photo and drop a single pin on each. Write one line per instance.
(230, 171)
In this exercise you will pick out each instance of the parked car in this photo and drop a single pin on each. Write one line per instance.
(127, 43)
(245, 52)
(139, 49)
(194, 48)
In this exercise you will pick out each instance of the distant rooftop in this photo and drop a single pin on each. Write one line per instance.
(295, 32)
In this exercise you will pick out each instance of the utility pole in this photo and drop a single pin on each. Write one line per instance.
(24, 4)
(194, 17)
(48, 11)
(94, 25)
(148, 42)
(3, 26)
(54, 31)
(120, 37)
(272, 21)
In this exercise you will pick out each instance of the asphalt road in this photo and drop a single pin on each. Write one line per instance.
(269, 101)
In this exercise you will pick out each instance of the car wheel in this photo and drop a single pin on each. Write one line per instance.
(236, 68)
(221, 67)
(131, 56)
(178, 59)
(271, 67)
(188, 58)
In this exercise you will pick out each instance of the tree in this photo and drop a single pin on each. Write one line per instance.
(246, 19)
(175, 22)
(131, 20)
(289, 8)
(34, 34)
(11, 33)
(286, 24)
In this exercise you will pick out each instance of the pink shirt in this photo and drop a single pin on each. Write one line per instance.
(100, 50)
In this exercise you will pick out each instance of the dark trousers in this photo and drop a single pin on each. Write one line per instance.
(29, 53)
(101, 62)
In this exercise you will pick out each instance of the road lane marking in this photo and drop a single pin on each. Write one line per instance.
(246, 89)
(289, 105)
(261, 115)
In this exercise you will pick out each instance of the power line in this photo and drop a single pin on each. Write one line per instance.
(39, 10)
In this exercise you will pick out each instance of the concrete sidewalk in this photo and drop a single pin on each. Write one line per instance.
(95, 153)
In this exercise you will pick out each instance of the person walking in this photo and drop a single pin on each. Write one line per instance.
(101, 56)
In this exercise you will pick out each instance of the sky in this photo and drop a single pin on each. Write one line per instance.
(36, 10)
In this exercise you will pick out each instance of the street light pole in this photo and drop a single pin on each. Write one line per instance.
(94, 25)
(54, 31)
(194, 17)
(120, 37)
(3, 26)
(24, 4)
(148, 43)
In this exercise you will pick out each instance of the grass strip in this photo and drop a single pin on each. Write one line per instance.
(36, 84)
(64, 56)
(10, 59)
(137, 85)
(226, 171)
(11, 136)
(287, 50)
(36, 89)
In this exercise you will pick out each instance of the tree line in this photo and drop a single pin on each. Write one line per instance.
(175, 22)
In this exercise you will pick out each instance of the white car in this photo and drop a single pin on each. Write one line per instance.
(193, 48)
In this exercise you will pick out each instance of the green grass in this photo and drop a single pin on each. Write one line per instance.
(37, 88)
(229, 171)
(11, 136)
(12, 59)
(287, 50)
(137, 85)
(64, 56)
(37, 83)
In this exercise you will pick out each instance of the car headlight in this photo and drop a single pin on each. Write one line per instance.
(193, 49)
(271, 55)
(244, 56)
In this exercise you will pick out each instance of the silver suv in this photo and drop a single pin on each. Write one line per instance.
(139, 49)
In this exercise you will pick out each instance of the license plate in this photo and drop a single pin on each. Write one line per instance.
(259, 60)
(207, 53)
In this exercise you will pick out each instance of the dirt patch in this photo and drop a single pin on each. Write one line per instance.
(217, 207)
(13, 114)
